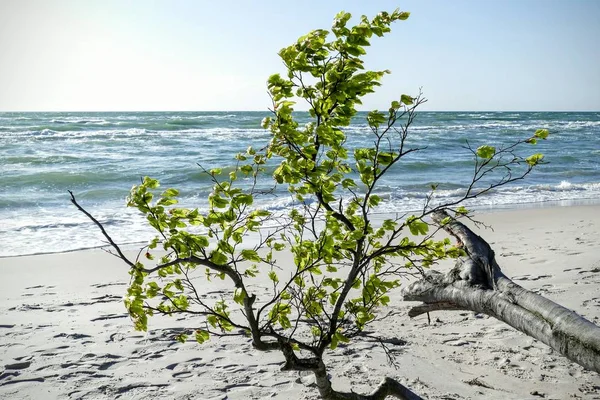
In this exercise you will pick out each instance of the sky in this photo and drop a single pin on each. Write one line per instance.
(145, 55)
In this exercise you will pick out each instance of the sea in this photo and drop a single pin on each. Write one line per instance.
(100, 156)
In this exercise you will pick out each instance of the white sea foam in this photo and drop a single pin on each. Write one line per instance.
(100, 155)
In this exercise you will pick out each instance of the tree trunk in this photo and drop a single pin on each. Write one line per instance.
(389, 387)
(476, 283)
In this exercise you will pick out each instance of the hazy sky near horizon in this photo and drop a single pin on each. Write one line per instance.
(144, 55)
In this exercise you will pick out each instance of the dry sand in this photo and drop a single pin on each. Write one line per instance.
(64, 332)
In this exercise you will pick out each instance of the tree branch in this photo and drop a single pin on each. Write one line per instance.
(95, 221)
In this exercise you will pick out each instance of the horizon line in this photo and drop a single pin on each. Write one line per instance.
(223, 111)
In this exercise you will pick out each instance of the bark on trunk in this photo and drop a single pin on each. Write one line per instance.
(476, 283)
(389, 387)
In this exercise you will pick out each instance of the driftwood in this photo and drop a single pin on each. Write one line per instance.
(476, 283)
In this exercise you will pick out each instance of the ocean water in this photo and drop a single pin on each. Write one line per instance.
(99, 156)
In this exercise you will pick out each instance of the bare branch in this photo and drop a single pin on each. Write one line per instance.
(106, 235)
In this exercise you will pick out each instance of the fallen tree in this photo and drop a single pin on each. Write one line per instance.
(477, 283)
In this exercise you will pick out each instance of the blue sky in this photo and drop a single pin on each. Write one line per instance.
(62, 55)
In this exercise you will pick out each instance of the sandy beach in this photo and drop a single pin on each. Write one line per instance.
(65, 334)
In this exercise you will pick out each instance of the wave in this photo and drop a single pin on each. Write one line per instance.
(210, 133)
(63, 179)
(503, 196)
(248, 127)
(203, 116)
(53, 229)
(80, 121)
(184, 122)
(41, 159)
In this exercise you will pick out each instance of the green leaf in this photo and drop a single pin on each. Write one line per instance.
(170, 193)
(462, 210)
(181, 338)
(385, 158)
(534, 159)
(384, 300)
(150, 183)
(250, 255)
(446, 221)
(375, 118)
(417, 226)
(278, 246)
(218, 258)
(334, 342)
(336, 338)
(202, 336)
(374, 200)
(212, 320)
(244, 199)
(200, 241)
(486, 152)
(166, 202)
(273, 276)
(239, 295)
(406, 99)
(541, 134)
(246, 169)
(265, 122)
(217, 201)
(342, 338)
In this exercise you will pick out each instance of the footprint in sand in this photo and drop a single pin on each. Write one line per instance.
(19, 365)
(74, 336)
(49, 352)
(107, 298)
(107, 365)
(26, 307)
(511, 254)
(183, 374)
(592, 302)
(13, 381)
(76, 374)
(109, 316)
(530, 278)
(103, 285)
(40, 287)
(6, 374)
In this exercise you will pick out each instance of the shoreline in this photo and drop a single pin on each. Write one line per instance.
(379, 216)
(63, 324)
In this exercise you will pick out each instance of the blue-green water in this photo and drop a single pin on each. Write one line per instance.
(99, 156)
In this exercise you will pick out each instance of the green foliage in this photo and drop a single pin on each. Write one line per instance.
(541, 134)
(534, 159)
(344, 265)
(417, 226)
(462, 210)
(486, 151)
(201, 336)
